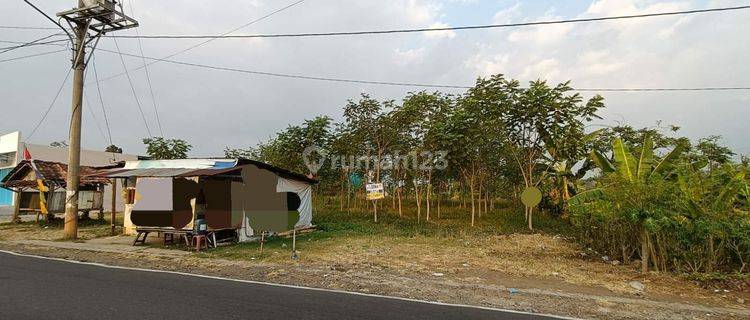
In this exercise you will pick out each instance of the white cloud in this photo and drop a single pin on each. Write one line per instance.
(486, 66)
(409, 57)
(440, 34)
(543, 69)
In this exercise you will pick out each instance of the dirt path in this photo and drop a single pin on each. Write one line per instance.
(476, 286)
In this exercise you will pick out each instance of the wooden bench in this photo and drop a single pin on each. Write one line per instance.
(169, 235)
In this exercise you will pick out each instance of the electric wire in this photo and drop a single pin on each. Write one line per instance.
(30, 43)
(132, 88)
(394, 31)
(266, 16)
(33, 55)
(52, 104)
(27, 28)
(408, 84)
(101, 100)
(45, 43)
(50, 19)
(148, 77)
(93, 116)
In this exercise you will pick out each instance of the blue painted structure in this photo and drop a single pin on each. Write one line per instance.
(6, 196)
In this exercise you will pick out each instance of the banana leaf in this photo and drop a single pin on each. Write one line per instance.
(601, 161)
(586, 196)
(624, 160)
(646, 160)
(668, 160)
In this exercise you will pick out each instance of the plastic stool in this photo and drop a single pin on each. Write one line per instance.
(200, 241)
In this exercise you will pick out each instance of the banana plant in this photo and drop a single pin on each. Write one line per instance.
(647, 166)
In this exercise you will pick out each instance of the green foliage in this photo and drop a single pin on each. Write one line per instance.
(113, 149)
(697, 220)
(160, 148)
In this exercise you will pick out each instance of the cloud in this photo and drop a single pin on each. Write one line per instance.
(409, 57)
(213, 109)
(440, 34)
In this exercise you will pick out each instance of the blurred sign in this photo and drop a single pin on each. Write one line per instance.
(375, 191)
(531, 197)
(355, 180)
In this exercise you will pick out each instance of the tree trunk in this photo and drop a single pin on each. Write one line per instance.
(486, 200)
(429, 190)
(531, 224)
(711, 256)
(393, 199)
(479, 198)
(341, 194)
(418, 197)
(462, 196)
(644, 251)
(400, 213)
(471, 194)
(438, 205)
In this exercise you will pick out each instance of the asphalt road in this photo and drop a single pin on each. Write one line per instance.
(34, 288)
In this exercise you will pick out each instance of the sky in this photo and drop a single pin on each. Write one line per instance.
(214, 109)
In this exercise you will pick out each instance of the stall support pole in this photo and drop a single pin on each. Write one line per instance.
(113, 213)
(294, 244)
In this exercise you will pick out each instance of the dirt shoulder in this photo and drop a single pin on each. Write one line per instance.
(535, 273)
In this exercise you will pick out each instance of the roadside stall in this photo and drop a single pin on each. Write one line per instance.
(40, 188)
(205, 201)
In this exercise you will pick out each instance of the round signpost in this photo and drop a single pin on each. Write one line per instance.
(531, 197)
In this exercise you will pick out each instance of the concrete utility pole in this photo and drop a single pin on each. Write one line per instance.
(74, 149)
(100, 17)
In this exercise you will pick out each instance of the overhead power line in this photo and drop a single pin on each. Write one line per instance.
(32, 55)
(404, 84)
(30, 43)
(50, 19)
(132, 88)
(52, 104)
(393, 31)
(148, 77)
(101, 100)
(254, 21)
(27, 28)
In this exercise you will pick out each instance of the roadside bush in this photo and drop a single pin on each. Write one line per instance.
(696, 220)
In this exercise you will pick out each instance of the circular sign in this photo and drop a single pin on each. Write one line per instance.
(531, 196)
(355, 180)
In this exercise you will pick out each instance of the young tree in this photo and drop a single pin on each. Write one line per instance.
(371, 123)
(113, 149)
(531, 119)
(160, 148)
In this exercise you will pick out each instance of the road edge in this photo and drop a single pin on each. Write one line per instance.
(372, 295)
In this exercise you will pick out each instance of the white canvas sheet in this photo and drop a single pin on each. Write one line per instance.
(304, 191)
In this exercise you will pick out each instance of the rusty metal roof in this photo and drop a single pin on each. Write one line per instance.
(52, 172)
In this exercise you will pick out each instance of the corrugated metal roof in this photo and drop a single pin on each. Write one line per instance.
(168, 172)
(220, 169)
(165, 172)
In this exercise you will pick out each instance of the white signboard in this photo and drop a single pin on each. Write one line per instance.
(375, 191)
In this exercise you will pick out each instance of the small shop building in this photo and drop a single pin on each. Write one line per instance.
(237, 197)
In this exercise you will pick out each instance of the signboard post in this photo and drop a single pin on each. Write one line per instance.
(531, 197)
(375, 192)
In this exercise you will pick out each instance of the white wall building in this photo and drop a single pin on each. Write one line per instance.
(11, 153)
